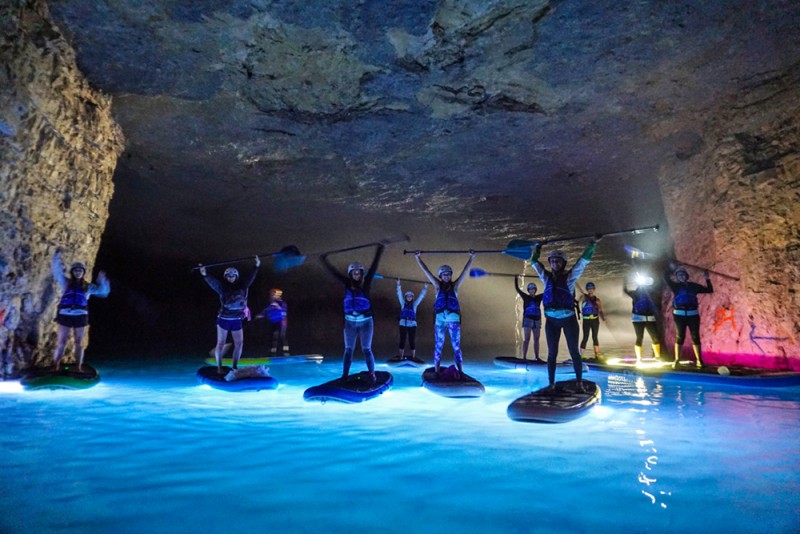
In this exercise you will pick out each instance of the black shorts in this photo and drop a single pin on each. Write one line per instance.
(73, 321)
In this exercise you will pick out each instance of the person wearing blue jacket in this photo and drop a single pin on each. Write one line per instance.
(685, 309)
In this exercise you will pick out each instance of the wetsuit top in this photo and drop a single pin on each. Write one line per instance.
(357, 306)
(685, 294)
(559, 289)
(232, 296)
(591, 307)
(643, 303)
(531, 303)
(446, 299)
(275, 311)
(408, 312)
(75, 296)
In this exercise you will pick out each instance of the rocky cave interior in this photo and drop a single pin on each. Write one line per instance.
(145, 137)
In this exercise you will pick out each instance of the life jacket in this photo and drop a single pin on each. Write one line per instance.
(557, 295)
(643, 304)
(685, 299)
(76, 297)
(446, 299)
(356, 302)
(275, 312)
(233, 300)
(532, 310)
(589, 306)
(407, 312)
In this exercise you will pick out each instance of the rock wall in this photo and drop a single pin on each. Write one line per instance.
(58, 150)
(733, 205)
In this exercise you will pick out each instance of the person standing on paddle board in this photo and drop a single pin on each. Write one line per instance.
(73, 308)
(358, 322)
(408, 319)
(447, 309)
(233, 309)
(531, 317)
(559, 305)
(684, 309)
(643, 316)
(277, 317)
(592, 312)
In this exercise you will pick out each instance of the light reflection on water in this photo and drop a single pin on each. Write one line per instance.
(149, 451)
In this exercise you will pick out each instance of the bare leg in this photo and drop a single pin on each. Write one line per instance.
(526, 341)
(61, 343)
(536, 335)
(238, 345)
(222, 336)
(78, 334)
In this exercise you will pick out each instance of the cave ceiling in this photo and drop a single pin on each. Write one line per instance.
(251, 124)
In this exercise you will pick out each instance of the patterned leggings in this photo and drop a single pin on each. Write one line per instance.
(455, 340)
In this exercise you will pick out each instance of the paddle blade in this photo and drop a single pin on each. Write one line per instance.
(521, 243)
(636, 254)
(289, 257)
(477, 273)
(522, 253)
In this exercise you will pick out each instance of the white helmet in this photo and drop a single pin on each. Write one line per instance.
(557, 254)
(409, 294)
(445, 269)
(355, 266)
(232, 271)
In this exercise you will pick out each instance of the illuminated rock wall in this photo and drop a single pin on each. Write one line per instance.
(734, 207)
(58, 150)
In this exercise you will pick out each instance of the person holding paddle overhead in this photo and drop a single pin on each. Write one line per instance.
(684, 308)
(358, 322)
(233, 308)
(531, 317)
(592, 312)
(447, 309)
(559, 308)
(643, 316)
(408, 319)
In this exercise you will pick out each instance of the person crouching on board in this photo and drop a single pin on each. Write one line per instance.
(73, 308)
(408, 319)
(358, 322)
(447, 309)
(559, 309)
(233, 308)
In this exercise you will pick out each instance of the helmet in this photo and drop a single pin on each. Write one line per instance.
(589, 286)
(355, 266)
(445, 269)
(683, 270)
(531, 286)
(275, 292)
(557, 254)
(77, 265)
(409, 294)
(231, 271)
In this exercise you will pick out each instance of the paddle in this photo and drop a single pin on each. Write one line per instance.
(285, 259)
(478, 273)
(635, 254)
(533, 243)
(385, 241)
(385, 277)
(522, 252)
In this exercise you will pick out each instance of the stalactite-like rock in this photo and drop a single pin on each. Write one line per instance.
(58, 150)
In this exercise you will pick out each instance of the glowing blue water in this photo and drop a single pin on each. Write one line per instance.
(149, 451)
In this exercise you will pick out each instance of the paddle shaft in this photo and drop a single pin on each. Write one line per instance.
(454, 251)
(236, 260)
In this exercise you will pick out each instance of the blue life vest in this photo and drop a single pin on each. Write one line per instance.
(643, 304)
(589, 307)
(532, 310)
(446, 299)
(356, 302)
(407, 312)
(685, 299)
(557, 295)
(275, 312)
(76, 297)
